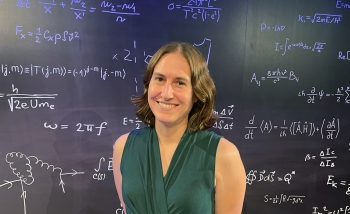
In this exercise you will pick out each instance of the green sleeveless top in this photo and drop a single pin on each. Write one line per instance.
(188, 186)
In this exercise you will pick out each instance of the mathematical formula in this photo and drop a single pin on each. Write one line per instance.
(197, 9)
(18, 101)
(279, 199)
(65, 36)
(269, 177)
(136, 121)
(225, 119)
(80, 127)
(341, 92)
(99, 175)
(326, 157)
(334, 184)
(341, 210)
(329, 129)
(47, 71)
(276, 28)
(340, 4)
(317, 46)
(80, 8)
(321, 18)
(275, 76)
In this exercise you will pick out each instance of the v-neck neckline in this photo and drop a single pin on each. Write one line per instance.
(175, 155)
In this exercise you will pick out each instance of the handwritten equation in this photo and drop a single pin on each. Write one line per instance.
(275, 76)
(47, 71)
(329, 129)
(341, 92)
(80, 8)
(334, 184)
(100, 176)
(18, 101)
(269, 177)
(198, 9)
(80, 127)
(276, 28)
(342, 56)
(225, 119)
(321, 18)
(326, 157)
(317, 46)
(341, 210)
(65, 36)
(136, 121)
(341, 5)
(279, 199)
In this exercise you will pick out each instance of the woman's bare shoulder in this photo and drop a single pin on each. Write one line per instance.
(120, 143)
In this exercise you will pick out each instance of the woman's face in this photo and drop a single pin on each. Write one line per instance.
(170, 94)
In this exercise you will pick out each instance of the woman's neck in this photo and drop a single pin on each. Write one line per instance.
(170, 135)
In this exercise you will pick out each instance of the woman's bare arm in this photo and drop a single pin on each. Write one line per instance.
(117, 155)
(230, 179)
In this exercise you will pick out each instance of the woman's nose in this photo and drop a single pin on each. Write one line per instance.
(167, 91)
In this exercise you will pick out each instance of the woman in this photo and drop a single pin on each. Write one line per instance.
(175, 165)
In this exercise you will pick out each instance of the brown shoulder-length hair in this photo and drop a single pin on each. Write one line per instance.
(202, 114)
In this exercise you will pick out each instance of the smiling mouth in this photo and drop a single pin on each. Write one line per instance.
(168, 106)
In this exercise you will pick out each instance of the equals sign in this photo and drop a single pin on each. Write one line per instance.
(92, 9)
(64, 126)
(307, 17)
(178, 6)
(30, 33)
(1, 95)
(262, 78)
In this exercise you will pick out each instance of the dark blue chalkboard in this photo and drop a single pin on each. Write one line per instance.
(69, 68)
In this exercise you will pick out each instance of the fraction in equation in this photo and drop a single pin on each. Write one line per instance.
(80, 127)
(65, 36)
(326, 157)
(225, 118)
(275, 76)
(341, 92)
(317, 46)
(321, 18)
(18, 101)
(328, 129)
(334, 184)
(294, 199)
(80, 8)
(197, 10)
(137, 122)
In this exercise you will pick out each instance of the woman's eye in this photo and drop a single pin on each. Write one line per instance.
(180, 83)
(159, 79)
